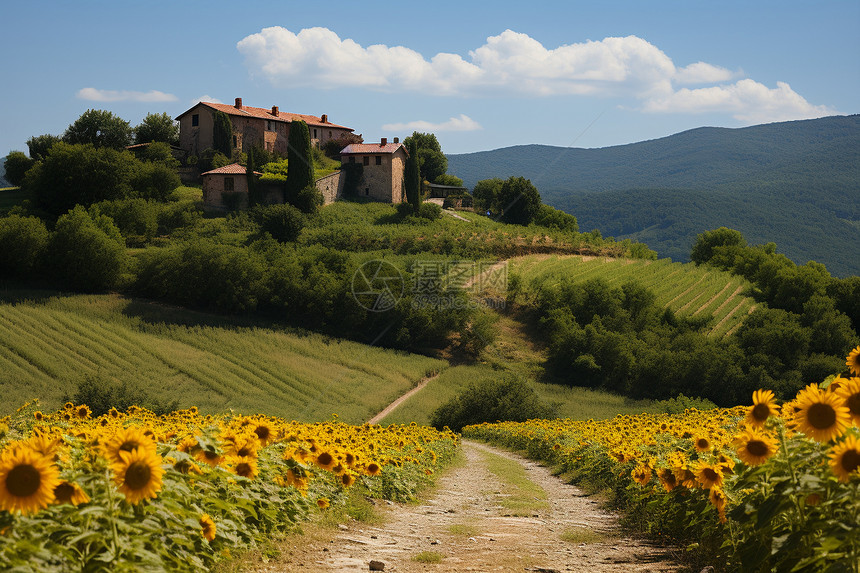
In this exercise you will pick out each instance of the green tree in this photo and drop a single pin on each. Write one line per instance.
(556, 219)
(222, 134)
(300, 163)
(412, 177)
(282, 222)
(17, 164)
(87, 253)
(446, 179)
(100, 128)
(519, 201)
(486, 194)
(431, 161)
(703, 248)
(81, 174)
(23, 243)
(157, 127)
(39, 145)
(158, 152)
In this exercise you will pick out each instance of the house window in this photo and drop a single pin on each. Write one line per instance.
(315, 133)
(270, 125)
(379, 160)
(367, 190)
(228, 184)
(235, 141)
(367, 160)
(195, 120)
(329, 134)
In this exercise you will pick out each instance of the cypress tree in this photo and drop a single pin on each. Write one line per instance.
(412, 176)
(300, 160)
(253, 191)
(222, 134)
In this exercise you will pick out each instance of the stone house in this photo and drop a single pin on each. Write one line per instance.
(382, 169)
(226, 188)
(264, 127)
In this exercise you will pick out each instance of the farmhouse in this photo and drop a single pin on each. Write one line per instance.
(382, 168)
(263, 127)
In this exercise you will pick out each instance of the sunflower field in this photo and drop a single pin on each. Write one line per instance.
(136, 492)
(765, 487)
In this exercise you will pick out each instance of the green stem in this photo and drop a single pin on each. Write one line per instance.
(113, 516)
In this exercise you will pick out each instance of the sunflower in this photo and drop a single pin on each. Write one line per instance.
(845, 459)
(347, 479)
(207, 527)
(209, 456)
(83, 412)
(128, 440)
(702, 443)
(764, 406)
(717, 497)
(67, 492)
(323, 502)
(641, 474)
(27, 480)
(849, 391)
(325, 461)
(138, 474)
(246, 468)
(708, 475)
(39, 416)
(853, 361)
(264, 433)
(821, 415)
(754, 448)
(667, 479)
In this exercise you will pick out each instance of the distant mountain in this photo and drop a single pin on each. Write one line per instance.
(794, 183)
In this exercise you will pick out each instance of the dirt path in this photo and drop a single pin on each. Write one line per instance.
(388, 409)
(465, 523)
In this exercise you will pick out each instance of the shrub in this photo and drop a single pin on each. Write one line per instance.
(16, 165)
(101, 395)
(507, 399)
(283, 222)
(87, 253)
(308, 200)
(136, 219)
(23, 241)
(556, 219)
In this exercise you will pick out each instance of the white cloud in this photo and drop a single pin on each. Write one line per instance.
(461, 123)
(703, 73)
(93, 94)
(515, 64)
(207, 98)
(746, 100)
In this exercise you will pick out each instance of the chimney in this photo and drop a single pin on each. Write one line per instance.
(324, 118)
(396, 140)
(384, 142)
(275, 110)
(238, 103)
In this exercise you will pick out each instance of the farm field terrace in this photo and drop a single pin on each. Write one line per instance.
(688, 290)
(51, 342)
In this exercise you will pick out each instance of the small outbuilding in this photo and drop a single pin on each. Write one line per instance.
(226, 188)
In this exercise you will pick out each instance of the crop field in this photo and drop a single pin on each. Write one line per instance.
(46, 347)
(690, 291)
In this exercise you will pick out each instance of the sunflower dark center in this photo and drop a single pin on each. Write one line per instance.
(129, 446)
(757, 448)
(821, 416)
(703, 444)
(244, 452)
(23, 480)
(262, 432)
(850, 460)
(64, 492)
(853, 403)
(137, 475)
(761, 412)
(210, 455)
(244, 469)
(325, 459)
(710, 474)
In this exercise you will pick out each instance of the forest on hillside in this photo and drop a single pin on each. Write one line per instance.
(794, 183)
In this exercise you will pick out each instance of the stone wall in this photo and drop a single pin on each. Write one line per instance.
(331, 186)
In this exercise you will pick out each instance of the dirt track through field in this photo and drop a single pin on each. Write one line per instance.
(465, 524)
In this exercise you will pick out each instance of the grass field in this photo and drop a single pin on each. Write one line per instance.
(49, 343)
(685, 288)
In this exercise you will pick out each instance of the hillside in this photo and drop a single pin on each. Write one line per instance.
(793, 183)
(197, 359)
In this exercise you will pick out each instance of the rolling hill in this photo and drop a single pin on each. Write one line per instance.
(794, 183)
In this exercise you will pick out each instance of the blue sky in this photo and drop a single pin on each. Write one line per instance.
(481, 75)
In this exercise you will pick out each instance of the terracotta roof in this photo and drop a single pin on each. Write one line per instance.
(264, 113)
(234, 169)
(371, 148)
